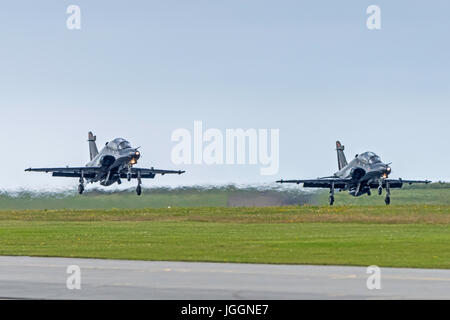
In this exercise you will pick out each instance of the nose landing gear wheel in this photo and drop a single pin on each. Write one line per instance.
(139, 190)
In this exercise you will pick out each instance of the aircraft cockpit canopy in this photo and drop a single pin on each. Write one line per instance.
(369, 157)
(119, 144)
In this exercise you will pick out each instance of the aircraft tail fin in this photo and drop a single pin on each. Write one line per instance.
(342, 161)
(92, 145)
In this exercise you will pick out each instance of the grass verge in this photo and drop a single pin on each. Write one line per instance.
(397, 236)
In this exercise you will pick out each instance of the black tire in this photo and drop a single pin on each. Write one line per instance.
(331, 200)
(369, 193)
(139, 190)
(80, 189)
(387, 200)
(380, 191)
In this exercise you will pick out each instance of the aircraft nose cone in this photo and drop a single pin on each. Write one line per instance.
(135, 154)
(386, 170)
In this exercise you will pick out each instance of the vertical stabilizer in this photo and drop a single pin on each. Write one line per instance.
(342, 161)
(92, 145)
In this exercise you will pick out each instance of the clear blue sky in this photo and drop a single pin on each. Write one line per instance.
(140, 69)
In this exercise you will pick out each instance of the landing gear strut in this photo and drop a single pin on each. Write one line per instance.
(332, 194)
(139, 188)
(81, 186)
(387, 200)
(380, 187)
(129, 173)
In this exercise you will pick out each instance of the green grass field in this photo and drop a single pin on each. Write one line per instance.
(396, 236)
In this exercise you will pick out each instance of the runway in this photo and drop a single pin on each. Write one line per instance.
(45, 278)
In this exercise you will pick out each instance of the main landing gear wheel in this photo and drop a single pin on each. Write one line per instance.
(387, 200)
(380, 191)
(332, 194)
(331, 200)
(139, 190)
(81, 185)
(369, 193)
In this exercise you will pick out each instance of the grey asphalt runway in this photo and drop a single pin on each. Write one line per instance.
(45, 278)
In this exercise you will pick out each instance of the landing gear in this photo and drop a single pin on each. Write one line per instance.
(129, 173)
(81, 186)
(380, 186)
(369, 193)
(139, 188)
(387, 200)
(332, 194)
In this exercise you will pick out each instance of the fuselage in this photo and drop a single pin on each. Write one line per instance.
(364, 169)
(116, 157)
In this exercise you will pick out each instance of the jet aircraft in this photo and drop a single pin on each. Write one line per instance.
(363, 173)
(113, 163)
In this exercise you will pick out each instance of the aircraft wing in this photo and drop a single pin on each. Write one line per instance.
(320, 183)
(75, 172)
(342, 183)
(149, 173)
(398, 183)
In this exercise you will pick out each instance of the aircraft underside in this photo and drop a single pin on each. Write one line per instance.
(363, 188)
(109, 178)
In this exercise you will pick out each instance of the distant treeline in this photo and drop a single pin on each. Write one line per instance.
(160, 197)
(211, 196)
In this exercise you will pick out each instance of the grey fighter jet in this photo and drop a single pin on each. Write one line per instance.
(113, 163)
(365, 172)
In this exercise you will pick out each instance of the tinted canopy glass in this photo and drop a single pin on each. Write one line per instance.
(124, 145)
(369, 157)
(119, 144)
